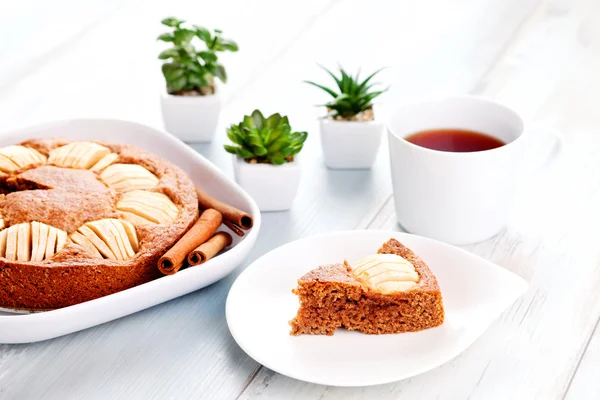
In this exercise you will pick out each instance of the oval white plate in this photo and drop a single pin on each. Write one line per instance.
(260, 304)
(46, 325)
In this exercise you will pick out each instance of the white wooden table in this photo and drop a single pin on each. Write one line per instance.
(68, 58)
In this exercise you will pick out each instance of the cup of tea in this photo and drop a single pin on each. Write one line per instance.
(454, 162)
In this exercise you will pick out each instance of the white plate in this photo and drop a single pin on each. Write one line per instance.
(260, 304)
(50, 324)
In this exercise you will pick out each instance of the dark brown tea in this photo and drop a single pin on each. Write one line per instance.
(454, 140)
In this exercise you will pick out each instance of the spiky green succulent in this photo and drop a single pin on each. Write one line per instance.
(352, 95)
(265, 140)
(189, 68)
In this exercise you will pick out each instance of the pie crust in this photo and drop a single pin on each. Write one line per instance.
(80, 220)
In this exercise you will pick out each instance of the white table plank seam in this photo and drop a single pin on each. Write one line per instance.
(249, 380)
(480, 379)
(377, 214)
(527, 310)
(581, 355)
(481, 84)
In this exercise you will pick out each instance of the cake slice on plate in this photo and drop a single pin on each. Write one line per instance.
(390, 292)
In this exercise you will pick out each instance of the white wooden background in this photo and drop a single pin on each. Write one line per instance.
(70, 58)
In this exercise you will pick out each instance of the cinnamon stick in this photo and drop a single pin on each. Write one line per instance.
(201, 231)
(210, 248)
(230, 213)
(234, 228)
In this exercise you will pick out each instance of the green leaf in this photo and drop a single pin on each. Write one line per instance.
(273, 136)
(258, 119)
(231, 149)
(229, 44)
(343, 110)
(197, 81)
(366, 100)
(298, 137)
(187, 49)
(211, 45)
(357, 76)
(168, 53)
(208, 56)
(194, 66)
(249, 122)
(172, 22)
(330, 91)
(296, 150)
(234, 137)
(217, 44)
(259, 151)
(172, 71)
(346, 81)
(221, 73)
(253, 138)
(273, 121)
(202, 33)
(366, 88)
(166, 37)
(363, 84)
(244, 153)
(335, 78)
(284, 121)
(278, 144)
(288, 151)
(265, 134)
(256, 145)
(178, 84)
(183, 36)
(276, 159)
(342, 98)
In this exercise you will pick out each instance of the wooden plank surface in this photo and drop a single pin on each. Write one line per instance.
(538, 56)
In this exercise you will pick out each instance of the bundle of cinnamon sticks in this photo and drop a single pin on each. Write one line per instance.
(202, 241)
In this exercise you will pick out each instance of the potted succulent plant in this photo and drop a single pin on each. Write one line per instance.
(190, 104)
(350, 135)
(265, 159)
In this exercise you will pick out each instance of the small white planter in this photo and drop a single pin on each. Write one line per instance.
(273, 187)
(350, 144)
(191, 118)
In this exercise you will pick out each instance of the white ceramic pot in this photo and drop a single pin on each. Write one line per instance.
(273, 187)
(350, 144)
(191, 118)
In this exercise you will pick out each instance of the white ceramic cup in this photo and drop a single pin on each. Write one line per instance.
(458, 198)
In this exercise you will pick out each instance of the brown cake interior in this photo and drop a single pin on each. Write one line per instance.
(331, 297)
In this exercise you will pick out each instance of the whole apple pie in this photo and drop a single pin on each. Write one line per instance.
(81, 219)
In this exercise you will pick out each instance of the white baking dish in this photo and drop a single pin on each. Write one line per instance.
(24, 328)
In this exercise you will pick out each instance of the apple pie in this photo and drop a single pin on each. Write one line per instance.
(391, 292)
(82, 219)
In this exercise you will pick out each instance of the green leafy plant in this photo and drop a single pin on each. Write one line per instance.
(189, 69)
(352, 95)
(265, 140)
